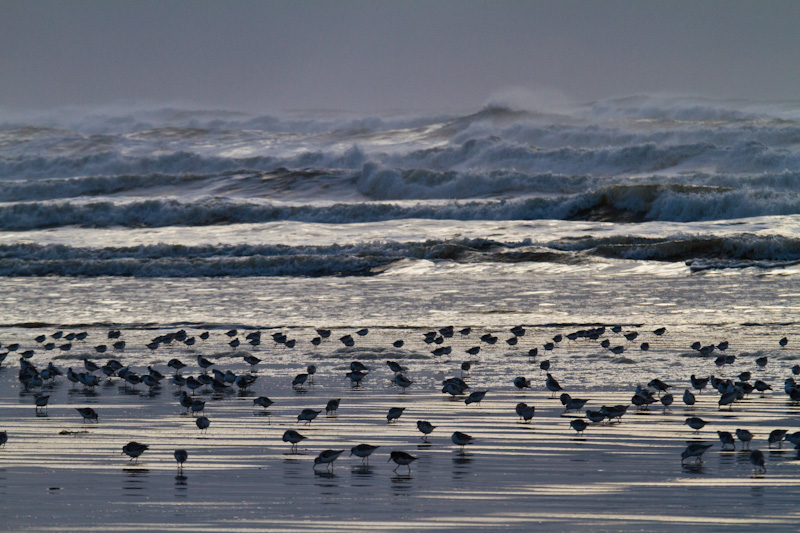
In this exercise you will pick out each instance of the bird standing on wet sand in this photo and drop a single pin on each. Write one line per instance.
(134, 449)
(552, 385)
(292, 437)
(394, 413)
(426, 428)
(744, 437)
(180, 457)
(757, 459)
(3, 438)
(41, 403)
(727, 439)
(327, 457)
(401, 459)
(579, 425)
(363, 451)
(308, 415)
(461, 439)
(776, 436)
(202, 423)
(476, 397)
(88, 414)
(263, 401)
(695, 422)
(332, 406)
(695, 450)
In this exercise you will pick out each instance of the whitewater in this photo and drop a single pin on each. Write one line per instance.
(181, 193)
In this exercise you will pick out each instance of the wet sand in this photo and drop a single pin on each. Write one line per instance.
(58, 473)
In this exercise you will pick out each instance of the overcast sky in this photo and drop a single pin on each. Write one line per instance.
(399, 55)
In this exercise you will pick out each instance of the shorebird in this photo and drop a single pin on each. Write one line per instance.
(395, 367)
(578, 424)
(193, 383)
(762, 361)
(465, 368)
(552, 385)
(698, 383)
(695, 450)
(461, 439)
(203, 363)
(783, 342)
(292, 437)
(426, 428)
(363, 451)
(659, 385)
(688, 398)
(134, 449)
(776, 436)
(696, 423)
(332, 406)
(727, 399)
(299, 380)
(202, 423)
(185, 400)
(311, 370)
(526, 413)
(403, 382)
(308, 415)
(744, 437)
(327, 457)
(401, 459)
(476, 397)
(180, 457)
(394, 413)
(88, 414)
(667, 400)
(761, 386)
(355, 377)
(176, 364)
(727, 439)
(572, 404)
(757, 460)
(595, 416)
(3, 438)
(262, 401)
(251, 360)
(398, 343)
(41, 403)
(198, 406)
(522, 383)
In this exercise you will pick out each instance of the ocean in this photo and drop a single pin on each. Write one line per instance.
(641, 213)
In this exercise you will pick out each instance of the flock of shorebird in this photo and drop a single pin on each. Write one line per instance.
(655, 392)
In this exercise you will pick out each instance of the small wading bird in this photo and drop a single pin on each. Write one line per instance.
(757, 460)
(292, 437)
(401, 459)
(363, 451)
(426, 428)
(180, 457)
(134, 449)
(695, 450)
(327, 457)
(461, 439)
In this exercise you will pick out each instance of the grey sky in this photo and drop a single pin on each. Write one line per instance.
(401, 55)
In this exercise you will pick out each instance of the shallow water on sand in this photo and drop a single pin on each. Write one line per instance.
(57, 473)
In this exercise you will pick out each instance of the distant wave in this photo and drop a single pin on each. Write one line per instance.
(629, 203)
(371, 258)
